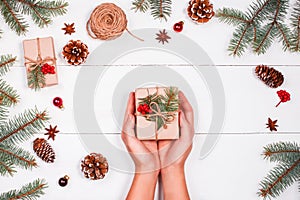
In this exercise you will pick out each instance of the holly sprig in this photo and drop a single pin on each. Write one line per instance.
(168, 102)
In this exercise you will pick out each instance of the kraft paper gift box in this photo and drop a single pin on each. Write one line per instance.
(38, 52)
(157, 113)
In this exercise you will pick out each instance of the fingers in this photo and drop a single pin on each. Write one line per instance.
(186, 108)
(130, 104)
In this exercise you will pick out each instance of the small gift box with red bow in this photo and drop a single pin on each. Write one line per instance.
(157, 113)
(40, 62)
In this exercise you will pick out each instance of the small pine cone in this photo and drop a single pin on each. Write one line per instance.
(75, 52)
(269, 76)
(94, 166)
(200, 11)
(43, 150)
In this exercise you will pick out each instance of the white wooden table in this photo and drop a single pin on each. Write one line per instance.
(233, 168)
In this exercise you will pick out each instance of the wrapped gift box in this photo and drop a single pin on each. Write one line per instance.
(157, 113)
(38, 52)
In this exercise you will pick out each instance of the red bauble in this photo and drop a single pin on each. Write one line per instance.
(58, 102)
(178, 26)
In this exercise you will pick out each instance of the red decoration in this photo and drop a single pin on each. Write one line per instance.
(144, 109)
(284, 96)
(58, 102)
(48, 69)
(178, 26)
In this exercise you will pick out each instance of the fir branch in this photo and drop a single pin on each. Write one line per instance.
(231, 16)
(29, 191)
(6, 167)
(161, 9)
(14, 20)
(295, 26)
(259, 26)
(23, 126)
(6, 61)
(140, 5)
(279, 179)
(36, 78)
(18, 156)
(8, 94)
(3, 113)
(41, 11)
(282, 152)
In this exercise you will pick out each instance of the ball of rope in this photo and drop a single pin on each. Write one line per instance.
(107, 22)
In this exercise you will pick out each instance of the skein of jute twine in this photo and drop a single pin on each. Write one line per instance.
(107, 22)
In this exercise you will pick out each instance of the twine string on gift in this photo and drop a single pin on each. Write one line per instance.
(107, 21)
(39, 60)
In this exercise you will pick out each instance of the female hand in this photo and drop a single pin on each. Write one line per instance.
(175, 152)
(143, 153)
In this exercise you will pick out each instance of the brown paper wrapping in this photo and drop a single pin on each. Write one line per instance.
(145, 130)
(41, 48)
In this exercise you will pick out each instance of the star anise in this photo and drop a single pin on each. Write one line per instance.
(163, 37)
(51, 132)
(69, 28)
(272, 125)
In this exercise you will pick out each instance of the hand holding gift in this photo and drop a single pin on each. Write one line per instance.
(153, 157)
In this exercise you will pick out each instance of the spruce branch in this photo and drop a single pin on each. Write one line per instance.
(41, 13)
(141, 5)
(6, 61)
(6, 167)
(278, 179)
(159, 9)
(282, 152)
(295, 26)
(22, 127)
(18, 157)
(258, 27)
(3, 113)
(15, 21)
(287, 172)
(36, 78)
(8, 94)
(29, 191)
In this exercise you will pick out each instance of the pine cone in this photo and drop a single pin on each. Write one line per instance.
(269, 76)
(43, 150)
(75, 52)
(94, 166)
(200, 11)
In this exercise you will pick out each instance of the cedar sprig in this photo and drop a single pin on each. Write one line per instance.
(258, 27)
(160, 9)
(41, 13)
(31, 191)
(36, 78)
(287, 171)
